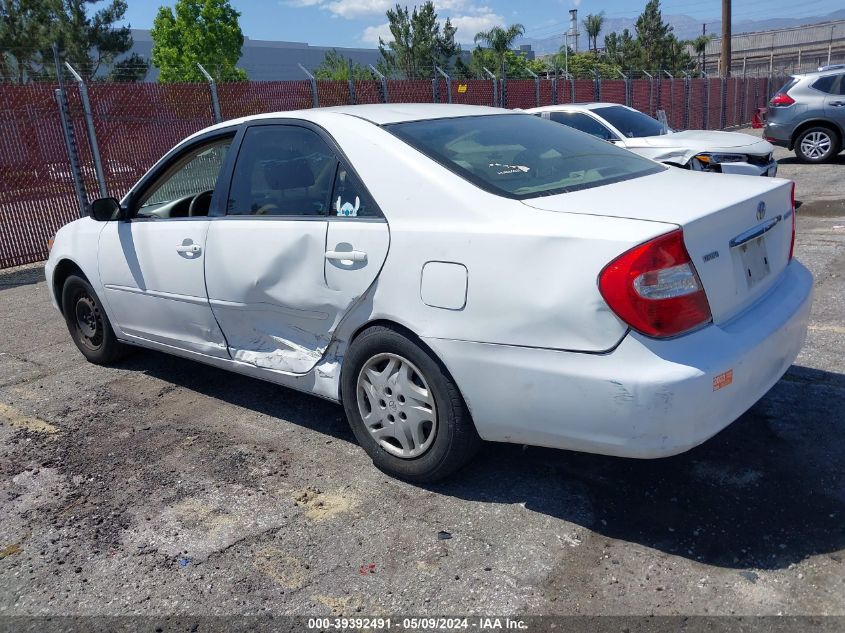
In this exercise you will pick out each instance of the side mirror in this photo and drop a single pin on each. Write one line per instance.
(105, 209)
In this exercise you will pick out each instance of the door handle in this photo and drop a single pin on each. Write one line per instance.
(837, 104)
(188, 248)
(354, 256)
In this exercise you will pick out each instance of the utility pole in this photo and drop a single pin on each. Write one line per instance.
(726, 38)
(704, 54)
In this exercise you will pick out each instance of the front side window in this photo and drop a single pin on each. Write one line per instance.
(630, 123)
(185, 188)
(521, 156)
(282, 170)
(584, 123)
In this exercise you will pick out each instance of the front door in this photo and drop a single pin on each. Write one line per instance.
(834, 104)
(276, 286)
(152, 267)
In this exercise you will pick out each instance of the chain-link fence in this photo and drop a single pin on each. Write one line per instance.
(135, 123)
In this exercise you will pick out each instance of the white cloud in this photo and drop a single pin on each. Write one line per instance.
(372, 34)
(301, 3)
(356, 8)
(469, 25)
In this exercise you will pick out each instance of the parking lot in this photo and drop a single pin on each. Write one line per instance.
(162, 486)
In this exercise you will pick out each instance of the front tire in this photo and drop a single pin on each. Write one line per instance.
(817, 145)
(404, 409)
(88, 324)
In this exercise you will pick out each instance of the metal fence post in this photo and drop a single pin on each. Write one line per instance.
(706, 118)
(313, 80)
(70, 137)
(353, 97)
(555, 99)
(536, 86)
(627, 87)
(212, 87)
(671, 93)
(448, 83)
(383, 80)
(495, 87)
(650, 92)
(92, 135)
(597, 85)
(687, 101)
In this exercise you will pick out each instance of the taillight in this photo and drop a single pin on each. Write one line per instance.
(792, 243)
(655, 288)
(782, 100)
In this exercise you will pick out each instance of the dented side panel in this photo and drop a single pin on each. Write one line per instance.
(268, 291)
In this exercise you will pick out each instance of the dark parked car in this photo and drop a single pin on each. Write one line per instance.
(808, 115)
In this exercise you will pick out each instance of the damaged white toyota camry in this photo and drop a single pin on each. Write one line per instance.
(450, 274)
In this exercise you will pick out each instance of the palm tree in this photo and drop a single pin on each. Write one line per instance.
(593, 24)
(500, 40)
(699, 45)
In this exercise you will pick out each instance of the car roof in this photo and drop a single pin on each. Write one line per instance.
(820, 73)
(378, 113)
(577, 106)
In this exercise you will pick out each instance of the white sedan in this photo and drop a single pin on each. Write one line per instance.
(700, 150)
(449, 273)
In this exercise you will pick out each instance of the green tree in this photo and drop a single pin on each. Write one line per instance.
(653, 36)
(28, 29)
(622, 50)
(417, 42)
(24, 27)
(593, 24)
(585, 65)
(500, 40)
(197, 31)
(336, 67)
(699, 45)
(132, 68)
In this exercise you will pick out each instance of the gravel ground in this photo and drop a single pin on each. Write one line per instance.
(161, 486)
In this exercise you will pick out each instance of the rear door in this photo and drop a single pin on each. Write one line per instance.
(300, 243)
(834, 103)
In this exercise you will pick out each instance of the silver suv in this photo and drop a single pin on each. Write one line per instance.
(808, 115)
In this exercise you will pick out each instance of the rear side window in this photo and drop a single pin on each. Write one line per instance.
(282, 170)
(826, 84)
(521, 156)
(583, 123)
(631, 123)
(350, 199)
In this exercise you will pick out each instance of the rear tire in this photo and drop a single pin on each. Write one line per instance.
(817, 144)
(88, 324)
(417, 427)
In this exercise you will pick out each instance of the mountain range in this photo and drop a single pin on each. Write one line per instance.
(685, 28)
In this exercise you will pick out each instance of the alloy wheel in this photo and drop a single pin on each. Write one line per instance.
(816, 145)
(397, 405)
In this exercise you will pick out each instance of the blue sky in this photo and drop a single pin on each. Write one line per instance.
(360, 22)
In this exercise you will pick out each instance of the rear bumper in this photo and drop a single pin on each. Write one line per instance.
(645, 399)
(778, 134)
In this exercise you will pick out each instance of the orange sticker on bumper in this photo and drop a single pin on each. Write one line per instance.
(723, 380)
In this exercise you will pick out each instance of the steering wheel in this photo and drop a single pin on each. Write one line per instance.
(195, 201)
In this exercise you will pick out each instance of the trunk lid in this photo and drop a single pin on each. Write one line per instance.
(738, 255)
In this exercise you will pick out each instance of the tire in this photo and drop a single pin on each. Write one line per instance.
(421, 438)
(88, 324)
(817, 144)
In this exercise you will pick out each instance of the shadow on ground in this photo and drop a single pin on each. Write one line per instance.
(767, 491)
(21, 277)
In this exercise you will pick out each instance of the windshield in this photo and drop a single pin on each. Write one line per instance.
(522, 156)
(631, 123)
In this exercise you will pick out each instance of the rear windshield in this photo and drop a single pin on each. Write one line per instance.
(787, 86)
(632, 124)
(522, 156)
